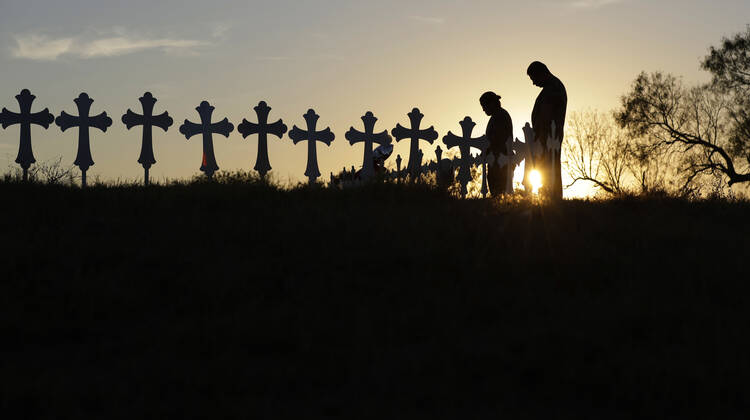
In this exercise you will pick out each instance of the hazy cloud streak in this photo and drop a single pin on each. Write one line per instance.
(38, 47)
(43, 48)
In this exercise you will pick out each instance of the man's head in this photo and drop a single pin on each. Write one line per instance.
(539, 73)
(490, 102)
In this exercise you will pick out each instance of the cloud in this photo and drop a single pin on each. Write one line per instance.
(43, 48)
(38, 47)
(592, 4)
(428, 19)
(108, 47)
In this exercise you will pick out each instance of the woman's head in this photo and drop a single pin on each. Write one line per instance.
(490, 102)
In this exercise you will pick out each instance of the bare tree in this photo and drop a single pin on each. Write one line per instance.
(596, 151)
(709, 124)
(706, 127)
(53, 172)
(651, 169)
(694, 121)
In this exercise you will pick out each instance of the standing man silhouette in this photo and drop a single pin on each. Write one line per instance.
(551, 105)
(499, 129)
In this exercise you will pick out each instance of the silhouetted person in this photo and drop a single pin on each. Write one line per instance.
(551, 105)
(499, 129)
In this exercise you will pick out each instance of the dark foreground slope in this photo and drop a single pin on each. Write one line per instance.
(247, 302)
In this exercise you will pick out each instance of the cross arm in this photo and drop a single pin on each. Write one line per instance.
(480, 143)
(325, 136)
(519, 152)
(163, 121)
(451, 140)
(189, 129)
(246, 128)
(101, 121)
(8, 118)
(400, 132)
(382, 138)
(43, 118)
(355, 136)
(297, 135)
(65, 121)
(131, 119)
(223, 127)
(277, 129)
(428, 134)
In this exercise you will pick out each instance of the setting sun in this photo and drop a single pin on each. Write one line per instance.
(536, 181)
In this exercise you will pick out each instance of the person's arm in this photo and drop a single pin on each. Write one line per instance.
(557, 103)
(493, 132)
(506, 131)
(542, 119)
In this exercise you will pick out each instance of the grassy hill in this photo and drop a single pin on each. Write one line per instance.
(248, 301)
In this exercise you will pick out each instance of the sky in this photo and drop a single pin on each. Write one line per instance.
(340, 57)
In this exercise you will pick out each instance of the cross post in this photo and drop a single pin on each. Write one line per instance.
(312, 137)
(368, 138)
(464, 144)
(440, 172)
(147, 120)
(83, 121)
(207, 129)
(531, 151)
(414, 134)
(485, 160)
(262, 129)
(25, 119)
(553, 148)
(512, 162)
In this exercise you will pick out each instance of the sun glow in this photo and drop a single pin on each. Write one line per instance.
(535, 178)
